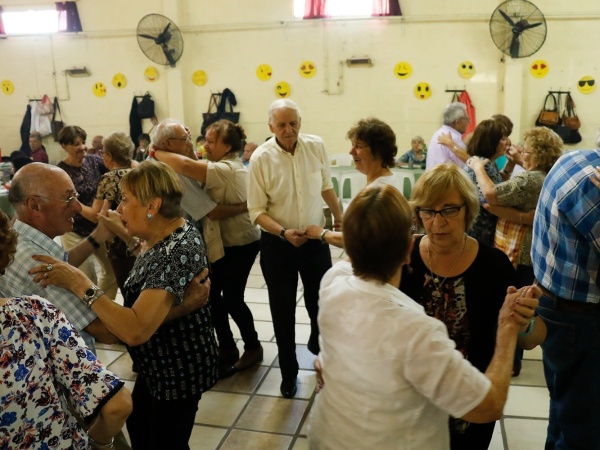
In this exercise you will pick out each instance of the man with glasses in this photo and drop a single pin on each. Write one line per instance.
(455, 122)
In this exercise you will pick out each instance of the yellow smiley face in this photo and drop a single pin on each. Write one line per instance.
(422, 91)
(282, 89)
(151, 74)
(99, 89)
(199, 78)
(402, 70)
(466, 69)
(539, 68)
(119, 81)
(585, 85)
(308, 69)
(7, 87)
(264, 72)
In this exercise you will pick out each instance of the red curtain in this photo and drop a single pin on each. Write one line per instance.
(386, 8)
(68, 17)
(314, 9)
(1, 23)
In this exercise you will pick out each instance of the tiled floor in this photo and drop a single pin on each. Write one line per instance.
(246, 411)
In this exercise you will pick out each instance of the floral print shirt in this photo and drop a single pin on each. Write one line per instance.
(40, 354)
(180, 359)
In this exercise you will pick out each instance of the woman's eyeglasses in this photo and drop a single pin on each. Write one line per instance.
(446, 213)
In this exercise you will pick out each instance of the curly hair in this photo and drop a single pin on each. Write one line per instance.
(8, 239)
(230, 134)
(380, 138)
(119, 146)
(545, 144)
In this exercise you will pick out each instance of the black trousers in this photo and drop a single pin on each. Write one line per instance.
(160, 424)
(281, 263)
(228, 278)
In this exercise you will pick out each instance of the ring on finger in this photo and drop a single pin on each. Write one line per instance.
(49, 267)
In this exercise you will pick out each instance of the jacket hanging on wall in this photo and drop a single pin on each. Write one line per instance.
(145, 107)
(466, 100)
(135, 123)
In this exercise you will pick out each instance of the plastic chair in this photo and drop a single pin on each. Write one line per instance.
(342, 159)
(352, 183)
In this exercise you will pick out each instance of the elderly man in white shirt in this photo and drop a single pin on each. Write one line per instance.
(455, 122)
(288, 180)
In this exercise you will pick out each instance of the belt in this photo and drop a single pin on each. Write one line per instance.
(570, 305)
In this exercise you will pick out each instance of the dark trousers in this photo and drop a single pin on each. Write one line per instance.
(228, 277)
(160, 424)
(281, 263)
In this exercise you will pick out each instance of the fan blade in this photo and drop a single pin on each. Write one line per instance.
(514, 46)
(507, 18)
(168, 54)
(533, 25)
(147, 36)
(165, 35)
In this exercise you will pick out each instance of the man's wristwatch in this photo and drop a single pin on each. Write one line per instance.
(323, 233)
(91, 294)
(282, 234)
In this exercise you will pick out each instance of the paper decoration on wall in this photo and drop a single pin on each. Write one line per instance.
(402, 70)
(99, 89)
(7, 87)
(466, 69)
(151, 74)
(119, 81)
(423, 91)
(199, 78)
(282, 89)
(585, 85)
(539, 68)
(308, 69)
(264, 72)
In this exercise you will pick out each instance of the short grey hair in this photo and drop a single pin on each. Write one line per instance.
(163, 131)
(454, 112)
(283, 103)
(418, 139)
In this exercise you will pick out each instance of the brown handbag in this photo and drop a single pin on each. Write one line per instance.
(570, 119)
(548, 117)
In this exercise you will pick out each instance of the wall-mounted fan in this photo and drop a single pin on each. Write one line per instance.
(160, 39)
(518, 28)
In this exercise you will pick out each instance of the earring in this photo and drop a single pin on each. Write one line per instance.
(149, 216)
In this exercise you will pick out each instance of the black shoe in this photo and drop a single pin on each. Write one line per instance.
(288, 388)
(516, 370)
(313, 344)
(225, 371)
(249, 358)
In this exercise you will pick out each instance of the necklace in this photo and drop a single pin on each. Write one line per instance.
(435, 279)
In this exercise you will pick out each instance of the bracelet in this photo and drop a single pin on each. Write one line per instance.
(323, 233)
(94, 298)
(137, 243)
(98, 445)
(93, 242)
(529, 329)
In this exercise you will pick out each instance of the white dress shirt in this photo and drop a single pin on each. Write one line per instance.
(439, 154)
(288, 187)
(391, 373)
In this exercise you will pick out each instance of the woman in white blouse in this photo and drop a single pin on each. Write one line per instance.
(224, 178)
(391, 374)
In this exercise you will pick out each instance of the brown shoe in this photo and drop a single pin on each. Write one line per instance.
(249, 358)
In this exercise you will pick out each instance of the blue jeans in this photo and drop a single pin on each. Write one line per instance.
(572, 371)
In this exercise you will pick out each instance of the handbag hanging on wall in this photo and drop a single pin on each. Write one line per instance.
(564, 130)
(56, 124)
(570, 119)
(220, 103)
(548, 116)
(145, 108)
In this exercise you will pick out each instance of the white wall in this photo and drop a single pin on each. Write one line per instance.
(229, 39)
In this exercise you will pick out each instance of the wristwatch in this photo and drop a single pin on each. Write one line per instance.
(91, 294)
(282, 234)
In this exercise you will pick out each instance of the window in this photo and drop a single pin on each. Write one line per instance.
(38, 21)
(339, 8)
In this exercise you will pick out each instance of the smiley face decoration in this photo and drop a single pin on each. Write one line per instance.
(7, 87)
(422, 91)
(264, 72)
(539, 68)
(308, 69)
(466, 69)
(283, 90)
(586, 85)
(99, 89)
(402, 70)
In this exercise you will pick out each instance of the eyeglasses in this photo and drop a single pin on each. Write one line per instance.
(446, 213)
(187, 138)
(67, 201)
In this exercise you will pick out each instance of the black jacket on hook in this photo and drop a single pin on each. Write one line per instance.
(135, 123)
(25, 129)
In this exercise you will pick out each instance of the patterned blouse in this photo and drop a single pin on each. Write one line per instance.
(484, 226)
(180, 359)
(85, 179)
(108, 187)
(40, 352)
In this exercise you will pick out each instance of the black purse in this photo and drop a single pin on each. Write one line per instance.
(145, 107)
(221, 102)
(56, 125)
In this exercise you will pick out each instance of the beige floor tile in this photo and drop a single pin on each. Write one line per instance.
(269, 351)
(243, 382)
(107, 356)
(122, 367)
(300, 444)
(263, 328)
(254, 295)
(497, 442)
(272, 414)
(255, 281)
(536, 353)
(532, 374)
(256, 270)
(336, 252)
(260, 311)
(307, 380)
(220, 408)
(244, 440)
(302, 315)
(527, 402)
(206, 438)
(302, 333)
(523, 434)
(306, 360)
